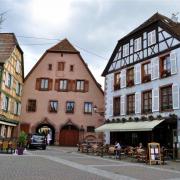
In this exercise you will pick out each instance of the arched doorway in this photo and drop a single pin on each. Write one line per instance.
(69, 135)
(46, 129)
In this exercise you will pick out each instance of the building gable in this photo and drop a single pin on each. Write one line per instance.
(148, 42)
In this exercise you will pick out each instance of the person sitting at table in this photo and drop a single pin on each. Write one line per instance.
(117, 150)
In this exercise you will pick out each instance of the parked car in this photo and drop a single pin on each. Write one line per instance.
(36, 141)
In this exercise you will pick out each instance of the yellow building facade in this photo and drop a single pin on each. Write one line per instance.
(11, 76)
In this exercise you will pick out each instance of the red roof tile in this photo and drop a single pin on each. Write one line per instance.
(63, 46)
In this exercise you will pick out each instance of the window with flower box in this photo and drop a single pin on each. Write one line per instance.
(165, 66)
(130, 77)
(146, 72)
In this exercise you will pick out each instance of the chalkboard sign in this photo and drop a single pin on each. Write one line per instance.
(154, 153)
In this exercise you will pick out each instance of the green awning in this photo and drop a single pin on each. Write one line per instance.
(6, 121)
(129, 126)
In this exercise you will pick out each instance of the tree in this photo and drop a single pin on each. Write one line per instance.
(2, 19)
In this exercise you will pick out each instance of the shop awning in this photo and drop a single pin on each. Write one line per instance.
(6, 121)
(129, 126)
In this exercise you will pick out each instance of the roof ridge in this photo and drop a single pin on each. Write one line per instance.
(63, 46)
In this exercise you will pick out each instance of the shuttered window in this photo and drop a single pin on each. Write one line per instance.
(116, 106)
(131, 104)
(123, 105)
(130, 77)
(63, 85)
(147, 102)
(166, 98)
(165, 66)
(80, 85)
(44, 84)
(117, 81)
(146, 72)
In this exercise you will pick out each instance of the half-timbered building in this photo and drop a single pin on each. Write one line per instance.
(142, 85)
(59, 95)
(11, 83)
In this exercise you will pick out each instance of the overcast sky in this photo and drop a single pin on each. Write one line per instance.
(92, 26)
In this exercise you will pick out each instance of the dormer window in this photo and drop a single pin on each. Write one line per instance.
(137, 44)
(151, 38)
(126, 50)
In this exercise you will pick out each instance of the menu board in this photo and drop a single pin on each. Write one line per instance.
(154, 153)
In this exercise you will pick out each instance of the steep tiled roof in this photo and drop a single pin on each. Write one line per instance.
(63, 46)
(7, 43)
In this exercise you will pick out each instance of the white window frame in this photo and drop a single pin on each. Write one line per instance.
(63, 84)
(151, 37)
(126, 50)
(137, 44)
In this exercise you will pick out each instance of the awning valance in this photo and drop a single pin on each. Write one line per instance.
(6, 121)
(129, 126)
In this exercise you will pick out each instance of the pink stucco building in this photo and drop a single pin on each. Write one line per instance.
(59, 95)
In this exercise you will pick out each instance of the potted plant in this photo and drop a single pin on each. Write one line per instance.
(22, 139)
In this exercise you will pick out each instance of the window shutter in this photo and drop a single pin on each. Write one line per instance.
(15, 107)
(123, 78)
(137, 73)
(112, 82)
(21, 90)
(155, 68)
(50, 84)
(6, 78)
(175, 96)
(173, 63)
(2, 101)
(56, 87)
(123, 105)
(16, 87)
(137, 103)
(111, 107)
(86, 86)
(155, 100)
(12, 81)
(19, 108)
(38, 83)
(69, 85)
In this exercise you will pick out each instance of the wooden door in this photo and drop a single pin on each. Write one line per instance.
(69, 137)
